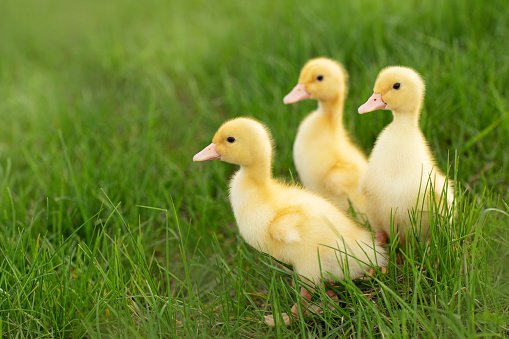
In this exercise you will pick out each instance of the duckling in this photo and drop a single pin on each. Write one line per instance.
(291, 224)
(327, 160)
(402, 176)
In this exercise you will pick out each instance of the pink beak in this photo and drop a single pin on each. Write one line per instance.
(298, 93)
(208, 153)
(374, 102)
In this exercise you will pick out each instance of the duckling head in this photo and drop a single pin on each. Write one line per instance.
(321, 79)
(241, 141)
(400, 89)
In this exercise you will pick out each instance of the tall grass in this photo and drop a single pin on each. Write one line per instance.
(107, 228)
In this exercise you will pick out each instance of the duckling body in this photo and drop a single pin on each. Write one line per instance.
(291, 224)
(327, 160)
(288, 222)
(326, 167)
(402, 180)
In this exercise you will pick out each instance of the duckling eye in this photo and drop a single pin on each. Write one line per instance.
(396, 85)
(231, 140)
(319, 78)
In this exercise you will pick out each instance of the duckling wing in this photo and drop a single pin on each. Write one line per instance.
(286, 225)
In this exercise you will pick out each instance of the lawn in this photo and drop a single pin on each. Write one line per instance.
(107, 227)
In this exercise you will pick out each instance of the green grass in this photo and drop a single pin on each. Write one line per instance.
(107, 228)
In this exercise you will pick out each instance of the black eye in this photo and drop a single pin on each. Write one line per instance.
(396, 85)
(319, 78)
(231, 140)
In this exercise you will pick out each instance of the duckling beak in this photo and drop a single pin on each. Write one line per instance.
(208, 153)
(374, 102)
(298, 93)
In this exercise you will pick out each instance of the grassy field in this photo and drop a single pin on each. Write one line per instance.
(107, 227)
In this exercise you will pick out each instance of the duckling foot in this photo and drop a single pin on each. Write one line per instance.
(381, 238)
(371, 273)
(319, 308)
(269, 319)
(306, 308)
(295, 308)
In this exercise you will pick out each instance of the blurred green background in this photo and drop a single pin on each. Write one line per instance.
(104, 104)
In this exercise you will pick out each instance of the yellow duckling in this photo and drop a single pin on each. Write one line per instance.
(327, 160)
(401, 173)
(288, 222)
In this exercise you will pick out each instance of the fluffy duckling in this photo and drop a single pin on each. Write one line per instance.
(401, 173)
(288, 222)
(327, 160)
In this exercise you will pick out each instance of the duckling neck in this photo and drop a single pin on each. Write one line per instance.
(408, 118)
(259, 173)
(333, 110)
